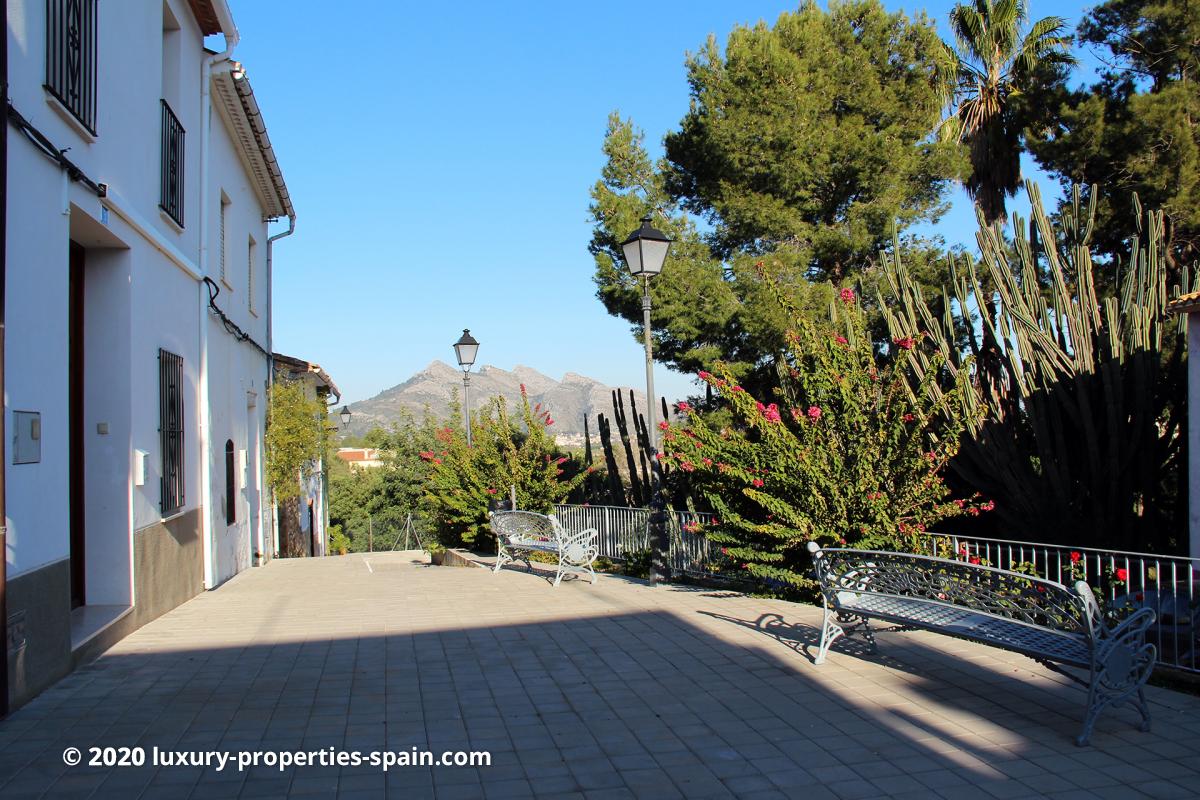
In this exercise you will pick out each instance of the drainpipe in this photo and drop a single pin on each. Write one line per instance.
(271, 377)
(3, 395)
(225, 18)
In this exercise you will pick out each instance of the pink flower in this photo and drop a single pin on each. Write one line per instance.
(683, 406)
(905, 343)
(737, 389)
(847, 295)
(426, 454)
(704, 375)
(707, 461)
(989, 505)
(814, 413)
(771, 413)
(757, 482)
(662, 426)
(560, 460)
(549, 422)
(491, 491)
(841, 340)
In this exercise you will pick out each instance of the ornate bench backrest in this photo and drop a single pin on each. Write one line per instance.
(985, 590)
(524, 527)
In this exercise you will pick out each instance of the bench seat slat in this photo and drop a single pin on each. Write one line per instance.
(959, 622)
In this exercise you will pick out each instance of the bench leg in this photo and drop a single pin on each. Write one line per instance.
(830, 631)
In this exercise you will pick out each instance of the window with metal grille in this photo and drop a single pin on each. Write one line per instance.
(250, 276)
(230, 485)
(170, 429)
(170, 197)
(71, 57)
(224, 214)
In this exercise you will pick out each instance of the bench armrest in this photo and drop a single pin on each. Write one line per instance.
(579, 548)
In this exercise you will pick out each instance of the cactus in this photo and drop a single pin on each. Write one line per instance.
(616, 489)
(1082, 439)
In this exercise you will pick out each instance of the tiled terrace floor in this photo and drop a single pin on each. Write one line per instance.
(616, 690)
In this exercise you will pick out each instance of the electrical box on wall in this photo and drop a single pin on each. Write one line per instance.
(140, 461)
(27, 437)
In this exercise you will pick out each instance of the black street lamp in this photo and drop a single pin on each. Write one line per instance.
(345, 415)
(645, 253)
(465, 350)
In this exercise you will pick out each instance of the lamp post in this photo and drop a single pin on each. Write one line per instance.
(465, 350)
(345, 415)
(645, 253)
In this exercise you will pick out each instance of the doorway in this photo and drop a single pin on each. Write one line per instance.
(75, 379)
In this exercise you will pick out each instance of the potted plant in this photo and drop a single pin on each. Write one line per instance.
(437, 553)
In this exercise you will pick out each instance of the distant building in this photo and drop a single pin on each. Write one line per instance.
(360, 457)
(301, 526)
(140, 182)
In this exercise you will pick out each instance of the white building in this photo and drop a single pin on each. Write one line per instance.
(140, 182)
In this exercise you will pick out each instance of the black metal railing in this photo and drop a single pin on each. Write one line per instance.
(170, 428)
(171, 186)
(71, 57)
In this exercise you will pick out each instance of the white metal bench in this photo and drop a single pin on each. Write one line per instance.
(519, 533)
(1038, 618)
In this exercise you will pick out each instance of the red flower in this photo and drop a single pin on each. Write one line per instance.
(814, 413)
(683, 406)
(662, 426)
(757, 482)
(704, 375)
(707, 461)
(909, 417)
(905, 343)
(724, 551)
(1122, 574)
(847, 295)
(1076, 556)
(491, 491)
(426, 454)
(840, 340)
(974, 559)
(989, 505)
(737, 389)
(549, 422)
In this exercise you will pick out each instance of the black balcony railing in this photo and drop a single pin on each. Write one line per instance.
(171, 188)
(71, 57)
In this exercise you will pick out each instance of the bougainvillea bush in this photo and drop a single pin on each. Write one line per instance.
(464, 480)
(847, 453)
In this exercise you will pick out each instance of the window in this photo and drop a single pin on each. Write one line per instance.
(250, 276)
(221, 242)
(71, 57)
(230, 485)
(171, 182)
(170, 429)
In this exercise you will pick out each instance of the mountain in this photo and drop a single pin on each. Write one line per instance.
(569, 400)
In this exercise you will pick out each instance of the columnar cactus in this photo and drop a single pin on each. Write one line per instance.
(1082, 439)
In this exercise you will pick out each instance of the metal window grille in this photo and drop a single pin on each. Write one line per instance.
(170, 428)
(230, 484)
(71, 57)
(171, 184)
(224, 206)
(250, 276)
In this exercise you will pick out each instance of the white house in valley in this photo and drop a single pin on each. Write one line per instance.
(137, 265)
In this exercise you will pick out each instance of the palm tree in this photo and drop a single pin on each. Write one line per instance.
(990, 67)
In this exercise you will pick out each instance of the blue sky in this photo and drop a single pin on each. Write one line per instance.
(440, 157)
